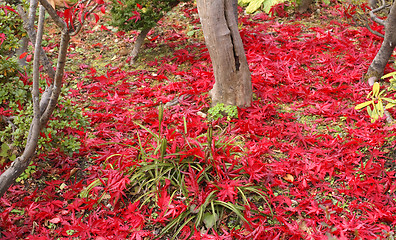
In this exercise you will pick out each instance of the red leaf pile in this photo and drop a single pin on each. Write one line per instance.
(327, 170)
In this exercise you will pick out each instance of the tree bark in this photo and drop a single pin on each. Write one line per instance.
(138, 44)
(21, 163)
(304, 5)
(377, 67)
(232, 75)
(41, 114)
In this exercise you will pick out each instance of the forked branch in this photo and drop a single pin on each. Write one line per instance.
(42, 109)
(374, 17)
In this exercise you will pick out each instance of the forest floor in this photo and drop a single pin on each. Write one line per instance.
(300, 163)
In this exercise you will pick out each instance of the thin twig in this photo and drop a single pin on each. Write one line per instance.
(85, 14)
(374, 17)
(365, 24)
(383, 6)
(374, 32)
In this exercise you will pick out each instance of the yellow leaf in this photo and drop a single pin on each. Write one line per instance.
(369, 110)
(390, 105)
(254, 5)
(380, 108)
(376, 88)
(389, 75)
(362, 105)
(243, 2)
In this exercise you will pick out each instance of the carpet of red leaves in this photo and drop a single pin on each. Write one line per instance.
(326, 169)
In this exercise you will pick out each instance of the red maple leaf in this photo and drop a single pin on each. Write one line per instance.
(136, 16)
(227, 190)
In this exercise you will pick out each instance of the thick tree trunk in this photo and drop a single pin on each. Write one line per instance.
(376, 69)
(220, 27)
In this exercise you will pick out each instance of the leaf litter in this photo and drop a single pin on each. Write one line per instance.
(300, 163)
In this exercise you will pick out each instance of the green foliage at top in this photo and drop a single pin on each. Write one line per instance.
(11, 31)
(11, 27)
(140, 14)
(254, 5)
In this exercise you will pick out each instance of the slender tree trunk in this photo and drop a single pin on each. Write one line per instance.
(138, 44)
(21, 163)
(304, 5)
(376, 69)
(41, 114)
(232, 76)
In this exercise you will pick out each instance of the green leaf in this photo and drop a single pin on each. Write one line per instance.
(84, 193)
(190, 33)
(362, 105)
(254, 5)
(148, 130)
(233, 208)
(209, 220)
(4, 150)
(174, 223)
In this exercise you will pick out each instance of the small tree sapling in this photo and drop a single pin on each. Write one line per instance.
(140, 15)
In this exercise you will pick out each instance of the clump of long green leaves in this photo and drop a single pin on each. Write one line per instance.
(170, 166)
(158, 166)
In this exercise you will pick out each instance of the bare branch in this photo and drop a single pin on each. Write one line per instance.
(35, 126)
(58, 78)
(374, 17)
(373, 31)
(51, 11)
(383, 6)
(32, 36)
(21, 163)
(47, 64)
(364, 23)
(86, 13)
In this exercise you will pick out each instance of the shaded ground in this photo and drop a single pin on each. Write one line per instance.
(299, 163)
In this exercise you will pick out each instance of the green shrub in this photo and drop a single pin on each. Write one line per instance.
(15, 99)
(11, 28)
(140, 14)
